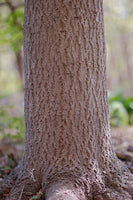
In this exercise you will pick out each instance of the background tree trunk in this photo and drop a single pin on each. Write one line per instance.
(20, 65)
(67, 149)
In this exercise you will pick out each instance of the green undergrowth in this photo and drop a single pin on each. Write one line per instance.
(11, 126)
(121, 110)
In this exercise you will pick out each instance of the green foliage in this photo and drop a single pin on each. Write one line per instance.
(118, 114)
(128, 103)
(121, 109)
(37, 196)
(11, 126)
(11, 28)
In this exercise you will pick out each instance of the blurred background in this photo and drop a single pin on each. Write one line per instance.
(118, 16)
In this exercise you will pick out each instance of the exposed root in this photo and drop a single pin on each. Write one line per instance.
(22, 185)
(120, 188)
(23, 189)
(63, 191)
(112, 194)
(59, 191)
(8, 182)
(19, 185)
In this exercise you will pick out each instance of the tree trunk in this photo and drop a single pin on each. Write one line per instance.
(68, 149)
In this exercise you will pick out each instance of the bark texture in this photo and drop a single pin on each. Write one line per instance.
(68, 147)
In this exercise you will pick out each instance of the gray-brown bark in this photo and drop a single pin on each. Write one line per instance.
(67, 149)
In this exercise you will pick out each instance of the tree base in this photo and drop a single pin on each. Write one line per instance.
(81, 188)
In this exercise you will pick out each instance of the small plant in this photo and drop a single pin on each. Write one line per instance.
(118, 114)
(121, 110)
(37, 196)
(11, 126)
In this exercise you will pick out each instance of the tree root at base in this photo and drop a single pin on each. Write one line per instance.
(24, 187)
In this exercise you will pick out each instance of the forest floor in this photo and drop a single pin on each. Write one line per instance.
(11, 148)
(122, 140)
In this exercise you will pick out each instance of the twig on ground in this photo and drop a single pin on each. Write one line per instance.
(21, 193)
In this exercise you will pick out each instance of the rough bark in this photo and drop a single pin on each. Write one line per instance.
(68, 147)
